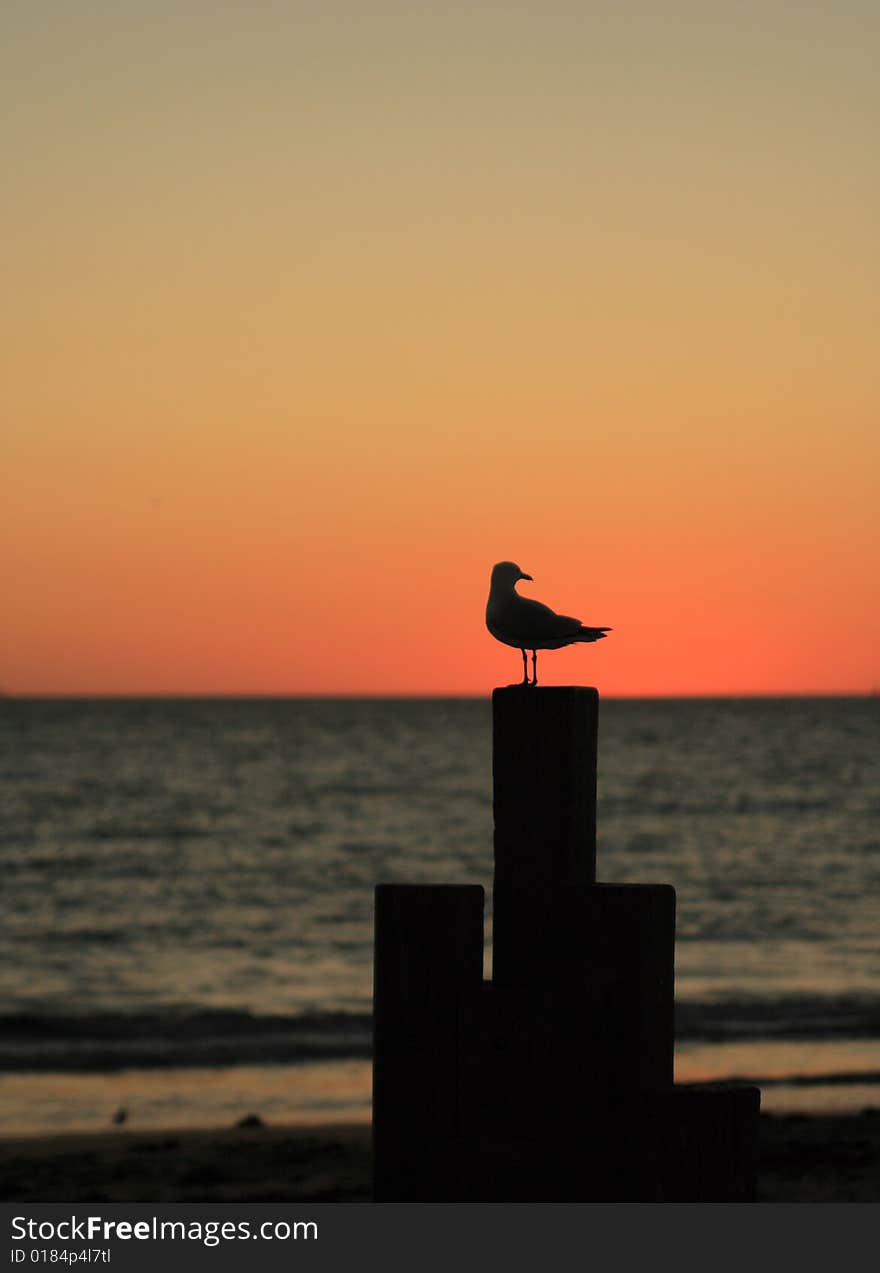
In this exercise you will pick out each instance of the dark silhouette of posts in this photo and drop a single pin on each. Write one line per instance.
(544, 751)
(554, 1082)
(544, 801)
(428, 952)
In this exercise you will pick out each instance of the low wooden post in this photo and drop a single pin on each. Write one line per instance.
(428, 953)
(617, 955)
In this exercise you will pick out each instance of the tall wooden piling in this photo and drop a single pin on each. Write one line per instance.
(544, 744)
(590, 965)
(544, 748)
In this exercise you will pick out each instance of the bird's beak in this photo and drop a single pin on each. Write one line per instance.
(529, 577)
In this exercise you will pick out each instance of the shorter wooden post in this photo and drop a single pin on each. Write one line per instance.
(706, 1143)
(428, 951)
(682, 1145)
(617, 955)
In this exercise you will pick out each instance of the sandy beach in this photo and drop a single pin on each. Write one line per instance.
(829, 1158)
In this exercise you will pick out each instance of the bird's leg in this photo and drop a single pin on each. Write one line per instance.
(525, 679)
(534, 667)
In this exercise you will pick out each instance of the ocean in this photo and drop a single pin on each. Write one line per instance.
(186, 910)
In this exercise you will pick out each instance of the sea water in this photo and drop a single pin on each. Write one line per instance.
(186, 910)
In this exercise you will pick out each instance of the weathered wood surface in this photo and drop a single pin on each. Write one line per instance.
(684, 1145)
(616, 946)
(544, 743)
(554, 1082)
(428, 951)
(544, 784)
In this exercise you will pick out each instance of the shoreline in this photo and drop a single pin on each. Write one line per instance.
(802, 1158)
(835, 1077)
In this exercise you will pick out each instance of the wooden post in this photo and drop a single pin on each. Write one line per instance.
(598, 1030)
(555, 1083)
(428, 952)
(617, 955)
(544, 784)
(544, 797)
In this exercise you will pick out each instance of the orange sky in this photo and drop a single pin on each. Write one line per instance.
(316, 311)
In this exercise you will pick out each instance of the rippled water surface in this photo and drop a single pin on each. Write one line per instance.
(184, 871)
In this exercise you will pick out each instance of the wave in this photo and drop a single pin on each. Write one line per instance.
(808, 1017)
(841, 1078)
(183, 1038)
(114, 1041)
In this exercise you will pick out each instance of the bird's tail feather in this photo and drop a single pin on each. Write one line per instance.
(593, 634)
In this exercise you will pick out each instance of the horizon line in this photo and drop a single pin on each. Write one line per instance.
(404, 696)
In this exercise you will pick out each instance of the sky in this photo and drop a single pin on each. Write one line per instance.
(314, 311)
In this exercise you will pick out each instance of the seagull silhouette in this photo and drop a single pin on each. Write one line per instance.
(527, 624)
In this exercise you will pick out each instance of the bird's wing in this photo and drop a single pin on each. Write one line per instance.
(536, 622)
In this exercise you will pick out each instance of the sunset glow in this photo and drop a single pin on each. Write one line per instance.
(315, 311)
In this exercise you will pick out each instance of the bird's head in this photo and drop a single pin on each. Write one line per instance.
(507, 573)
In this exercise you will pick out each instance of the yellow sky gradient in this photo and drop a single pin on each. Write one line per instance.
(314, 311)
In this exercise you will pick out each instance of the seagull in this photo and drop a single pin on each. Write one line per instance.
(527, 624)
